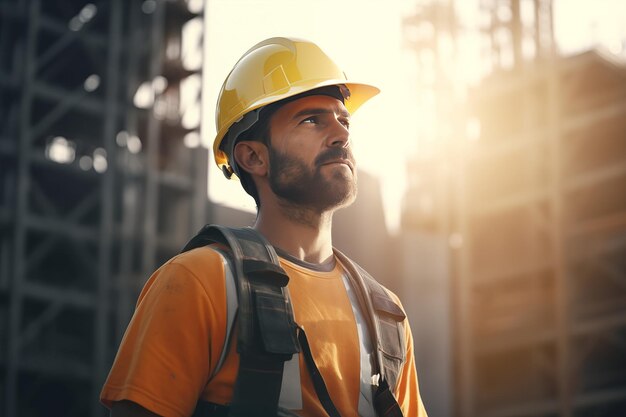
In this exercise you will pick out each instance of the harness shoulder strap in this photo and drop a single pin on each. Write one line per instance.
(266, 328)
(386, 321)
(231, 307)
(261, 289)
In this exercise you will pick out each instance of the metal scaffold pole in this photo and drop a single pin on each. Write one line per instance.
(23, 186)
(107, 198)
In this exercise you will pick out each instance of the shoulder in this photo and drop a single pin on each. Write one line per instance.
(199, 270)
(198, 261)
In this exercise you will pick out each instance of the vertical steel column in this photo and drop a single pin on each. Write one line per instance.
(495, 47)
(21, 212)
(558, 240)
(200, 208)
(540, 54)
(107, 195)
(151, 200)
(199, 197)
(464, 319)
(129, 187)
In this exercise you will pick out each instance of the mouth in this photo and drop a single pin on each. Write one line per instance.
(346, 162)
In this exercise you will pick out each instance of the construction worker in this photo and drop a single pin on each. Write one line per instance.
(340, 341)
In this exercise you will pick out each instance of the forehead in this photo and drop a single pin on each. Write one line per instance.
(311, 105)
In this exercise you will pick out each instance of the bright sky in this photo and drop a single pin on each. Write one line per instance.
(584, 24)
(364, 37)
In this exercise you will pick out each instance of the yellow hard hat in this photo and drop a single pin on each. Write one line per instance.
(275, 69)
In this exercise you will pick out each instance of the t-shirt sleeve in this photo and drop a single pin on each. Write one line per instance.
(407, 389)
(175, 334)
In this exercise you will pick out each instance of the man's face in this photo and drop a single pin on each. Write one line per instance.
(311, 164)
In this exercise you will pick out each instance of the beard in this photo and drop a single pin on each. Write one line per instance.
(300, 185)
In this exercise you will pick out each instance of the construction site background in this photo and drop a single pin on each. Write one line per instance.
(511, 255)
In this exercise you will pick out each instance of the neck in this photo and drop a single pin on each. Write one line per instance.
(301, 232)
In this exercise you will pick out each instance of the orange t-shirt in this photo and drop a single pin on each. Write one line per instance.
(177, 332)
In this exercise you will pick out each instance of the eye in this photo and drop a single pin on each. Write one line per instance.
(311, 119)
(345, 121)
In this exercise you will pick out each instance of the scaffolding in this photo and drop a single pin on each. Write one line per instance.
(97, 186)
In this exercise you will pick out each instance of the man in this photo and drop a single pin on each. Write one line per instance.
(283, 120)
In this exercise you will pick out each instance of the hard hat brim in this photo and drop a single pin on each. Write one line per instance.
(359, 94)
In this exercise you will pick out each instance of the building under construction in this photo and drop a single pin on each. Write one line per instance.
(98, 184)
(542, 269)
(535, 211)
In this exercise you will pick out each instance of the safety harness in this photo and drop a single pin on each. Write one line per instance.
(268, 336)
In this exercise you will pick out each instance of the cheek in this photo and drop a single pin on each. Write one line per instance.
(304, 151)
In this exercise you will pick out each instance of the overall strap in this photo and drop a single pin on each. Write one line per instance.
(386, 322)
(266, 329)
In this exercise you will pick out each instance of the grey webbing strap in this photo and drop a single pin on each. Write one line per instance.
(200, 240)
(231, 308)
(383, 317)
(267, 330)
(266, 282)
(262, 292)
(366, 304)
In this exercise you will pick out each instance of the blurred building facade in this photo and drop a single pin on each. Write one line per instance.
(532, 204)
(97, 186)
(541, 268)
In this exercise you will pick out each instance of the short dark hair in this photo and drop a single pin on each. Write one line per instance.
(260, 132)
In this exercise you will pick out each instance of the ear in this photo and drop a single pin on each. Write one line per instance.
(252, 157)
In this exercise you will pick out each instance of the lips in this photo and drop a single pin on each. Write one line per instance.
(336, 156)
(341, 161)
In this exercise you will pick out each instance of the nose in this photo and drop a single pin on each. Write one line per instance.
(339, 137)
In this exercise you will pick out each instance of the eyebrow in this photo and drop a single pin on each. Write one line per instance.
(316, 111)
